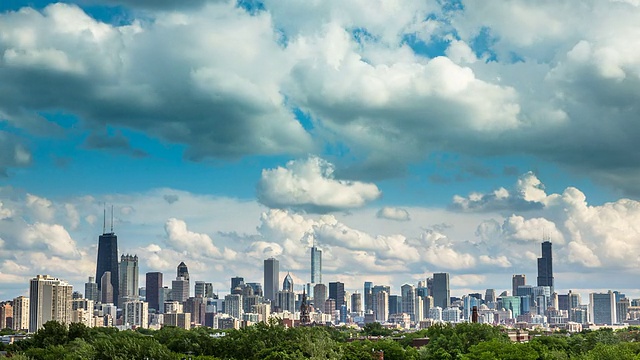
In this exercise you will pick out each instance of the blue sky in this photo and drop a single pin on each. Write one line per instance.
(379, 128)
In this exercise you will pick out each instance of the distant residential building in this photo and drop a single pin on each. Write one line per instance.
(382, 306)
(136, 313)
(49, 299)
(6, 315)
(435, 313)
(21, 313)
(451, 315)
(233, 305)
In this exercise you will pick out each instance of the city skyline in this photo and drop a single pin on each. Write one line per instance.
(433, 137)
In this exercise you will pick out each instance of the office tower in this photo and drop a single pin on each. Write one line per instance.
(154, 287)
(199, 289)
(197, 307)
(563, 302)
(542, 297)
(430, 286)
(376, 289)
(419, 308)
(257, 288)
(271, 278)
(574, 300)
(490, 296)
(287, 301)
(320, 295)
(368, 299)
(108, 259)
(287, 283)
(545, 266)
(136, 313)
(382, 306)
(441, 292)
(524, 290)
(182, 271)
(129, 274)
(602, 308)
(21, 313)
(336, 292)
(622, 310)
(316, 265)
(236, 281)
(517, 280)
(106, 288)
(49, 299)
(356, 302)
(395, 304)
(180, 289)
(91, 291)
(408, 292)
(511, 303)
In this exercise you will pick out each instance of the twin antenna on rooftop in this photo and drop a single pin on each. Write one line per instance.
(104, 219)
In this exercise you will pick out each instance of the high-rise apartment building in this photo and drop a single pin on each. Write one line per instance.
(6, 315)
(517, 280)
(233, 305)
(128, 271)
(356, 302)
(136, 313)
(441, 291)
(545, 266)
(21, 313)
(336, 292)
(49, 299)
(316, 265)
(602, 308)
(382, 306)
(154, 287)
(108, 261)
(271, 278)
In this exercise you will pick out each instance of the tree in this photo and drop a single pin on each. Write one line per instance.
(52, 333)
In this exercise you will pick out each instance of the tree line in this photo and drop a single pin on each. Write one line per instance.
(272, 341)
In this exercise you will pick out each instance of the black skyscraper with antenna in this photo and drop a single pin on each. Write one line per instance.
(108, 257)
(545, 266)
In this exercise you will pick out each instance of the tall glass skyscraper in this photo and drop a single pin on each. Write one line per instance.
(108, 261)
(154, 286)
(545, 266)
(271, 278)
(128, 278)
(441, 292)
(316, 265)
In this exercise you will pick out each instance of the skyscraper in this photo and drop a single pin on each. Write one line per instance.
(545, 266)
(441, 292)
(154, 286)
(368, 299)
(356, 302)
(271, 278)
(319, 296)
(49, 299)
(336, 292)
(287, 283)
(106, 291)
(21, 313)
(408, 292)
(602, 307)
(108, 259)
(517, 280)
(182, 271)
(236, 281)
(91, 290)
(128, 278)
(316, 265)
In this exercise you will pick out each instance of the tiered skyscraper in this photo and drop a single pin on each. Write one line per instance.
(108, 259)
(545, 266)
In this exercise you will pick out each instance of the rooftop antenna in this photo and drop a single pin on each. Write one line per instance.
(112, 219)
(104, 218)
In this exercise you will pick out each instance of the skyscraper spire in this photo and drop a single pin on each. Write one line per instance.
(112, 219)
(104, 218)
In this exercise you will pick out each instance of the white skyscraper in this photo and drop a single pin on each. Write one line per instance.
(49, 299)
(21, 313)
(136, 313)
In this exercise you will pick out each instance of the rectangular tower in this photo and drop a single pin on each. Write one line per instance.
(271, 279)
(128, 278)
(441, 292)
(154, 287)
(336, 292)
(316, 265)
(49, 299)
(108, 261)
(517, 280)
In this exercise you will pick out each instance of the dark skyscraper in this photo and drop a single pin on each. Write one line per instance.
(236, 281)
(108, 259)
(182, 271)
(336, 292)
(368, 298)
(517, 280)
(271, 278)
(441, 292)
(154, 286)
(545, 266)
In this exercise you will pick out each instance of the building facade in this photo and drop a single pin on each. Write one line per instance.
(49, 299)
(108, 262)
(271, 278)
(441, 291)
